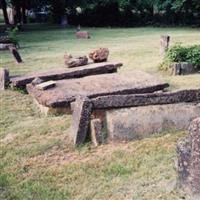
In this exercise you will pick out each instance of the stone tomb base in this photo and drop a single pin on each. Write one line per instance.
(140, 122)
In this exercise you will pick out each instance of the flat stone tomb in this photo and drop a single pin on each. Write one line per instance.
(66, 91)
(65, 73)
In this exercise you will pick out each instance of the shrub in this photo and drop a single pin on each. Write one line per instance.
(12, 34)
(179, 53)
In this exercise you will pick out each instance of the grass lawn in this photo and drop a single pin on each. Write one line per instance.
(36, 161)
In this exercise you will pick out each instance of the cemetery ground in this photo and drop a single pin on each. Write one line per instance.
(36, 161)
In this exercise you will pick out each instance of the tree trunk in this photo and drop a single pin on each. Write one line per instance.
(5, 14)
(24, 17)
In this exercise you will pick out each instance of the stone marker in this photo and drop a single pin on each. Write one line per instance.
(82, 109)
(4, 78)
(83, 35)
(182, 68)
(188, 150)
(63, 73)
(140, 122)
(99, 55)
(16, 54)
(46, 85)
(76, 62)
(134, 82)
(96, 131)
(164, 44)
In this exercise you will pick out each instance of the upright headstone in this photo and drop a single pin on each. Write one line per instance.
(4, 78)
(164, 44)
(188, 150)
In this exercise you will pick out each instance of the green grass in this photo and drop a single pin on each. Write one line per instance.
(36, 159)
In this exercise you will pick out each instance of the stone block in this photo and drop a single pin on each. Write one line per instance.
(188, 150)
(4, 78)
(81, 109)
(140, 122)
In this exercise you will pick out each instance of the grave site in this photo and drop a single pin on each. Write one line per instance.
(79, 122)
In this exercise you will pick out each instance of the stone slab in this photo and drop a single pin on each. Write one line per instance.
(66, 73)
(140, 122)
(188, 151)
(4, 78)
(82, 109)
(46, 85)
(99, 85)
(132, 100)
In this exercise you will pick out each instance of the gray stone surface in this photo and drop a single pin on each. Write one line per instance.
(182, 68)
(4, 78)
(98, 85)
(140, 122)
(96, 130)
(82, 109)
(64, 73)
(164, 44)
(188, 150)
(130, 100)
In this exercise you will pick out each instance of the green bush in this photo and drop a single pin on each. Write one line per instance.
(12, 35)
(179, 53)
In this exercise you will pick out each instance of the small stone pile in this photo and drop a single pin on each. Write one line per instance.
(97, 56)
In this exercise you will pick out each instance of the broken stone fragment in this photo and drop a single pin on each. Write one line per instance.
(4, 78)
(76, 62)
(188, 150)
(37, 81)
(46, 85)
(99, 55)
(182, 68)
(82, 109)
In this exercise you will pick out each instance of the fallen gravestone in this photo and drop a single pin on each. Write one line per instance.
(188, 150)
(63, 73)
(82, 109)
(99, 55)
(164, 44)
(4, 78)
(97, 85)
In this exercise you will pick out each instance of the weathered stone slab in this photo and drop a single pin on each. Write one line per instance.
(188, 150)
(98, 85)
(63, 73)
(46, 85)
(76, 62)
(4, 78)
(140, 122)
(132, 100)
(82, 109)
(15, 54)
(96, 131)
